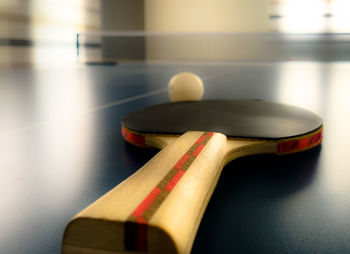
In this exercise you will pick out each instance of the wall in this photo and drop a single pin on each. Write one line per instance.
(206, 15)
(213, 16)
(123, 15)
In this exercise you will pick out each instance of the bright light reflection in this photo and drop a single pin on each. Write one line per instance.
(13, 154)
(55, 25)
(66, 139)
(337, 140)
(300, 85)
(340, 21)
(314, 16)
(303, 16)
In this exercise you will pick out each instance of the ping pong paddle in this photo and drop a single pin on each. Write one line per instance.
(158, 209)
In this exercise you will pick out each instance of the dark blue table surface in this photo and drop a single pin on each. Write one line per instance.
(61, 149)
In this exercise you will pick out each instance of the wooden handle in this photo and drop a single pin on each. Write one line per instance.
(158, 209)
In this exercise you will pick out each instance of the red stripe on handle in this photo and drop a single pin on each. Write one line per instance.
(200, 140)
(154, 199)
(181, 162)
(198, 150)
(139, 211)
(176, 178)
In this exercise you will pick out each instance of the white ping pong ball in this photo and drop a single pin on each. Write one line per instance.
(185, 86)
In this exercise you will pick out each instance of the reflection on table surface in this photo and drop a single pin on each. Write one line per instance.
(61, 149)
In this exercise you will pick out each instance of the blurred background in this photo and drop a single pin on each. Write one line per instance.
(60, 142)
(47, 32)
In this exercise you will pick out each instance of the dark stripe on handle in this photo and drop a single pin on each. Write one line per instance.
(136, 226)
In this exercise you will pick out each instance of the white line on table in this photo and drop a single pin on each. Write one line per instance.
(94, 109)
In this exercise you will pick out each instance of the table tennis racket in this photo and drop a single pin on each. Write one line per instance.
(158, 209)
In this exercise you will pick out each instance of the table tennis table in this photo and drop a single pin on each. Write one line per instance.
(61, 148)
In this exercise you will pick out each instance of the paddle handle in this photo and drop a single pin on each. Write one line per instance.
(157, 209)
